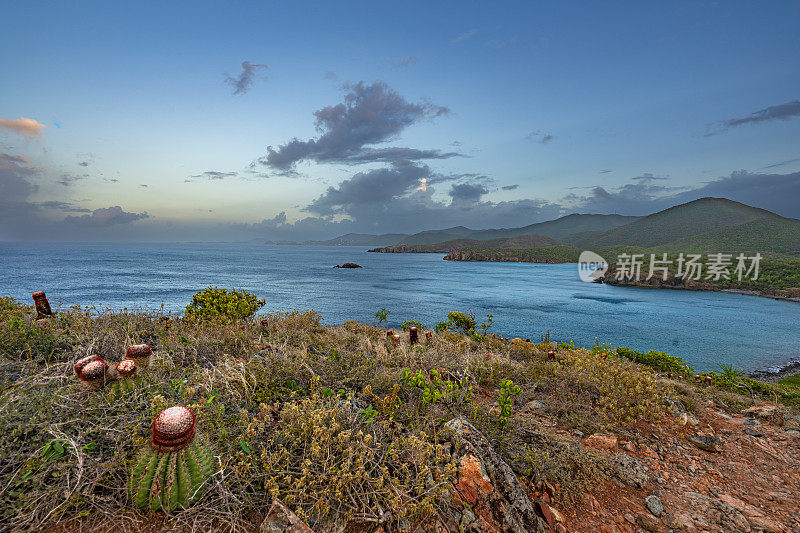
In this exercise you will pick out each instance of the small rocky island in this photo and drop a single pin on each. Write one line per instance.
(348, 265)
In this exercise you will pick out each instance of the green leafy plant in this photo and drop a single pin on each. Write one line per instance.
(215, 302)
(383, 316)
(406, 325)
(462, 321)
(505, 400)
(435, 389)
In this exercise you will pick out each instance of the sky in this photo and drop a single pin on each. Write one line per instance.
(240, 121)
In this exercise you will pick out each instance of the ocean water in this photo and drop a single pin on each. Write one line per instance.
(705, 328)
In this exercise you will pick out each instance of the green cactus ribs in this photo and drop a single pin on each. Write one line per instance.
(126, 381)
(173, 470)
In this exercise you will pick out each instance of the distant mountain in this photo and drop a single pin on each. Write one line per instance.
(362, 239)
(563, 229)
(519, 241)
(438, 235)
(707, 224)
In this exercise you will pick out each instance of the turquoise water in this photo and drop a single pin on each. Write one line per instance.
(704, 328)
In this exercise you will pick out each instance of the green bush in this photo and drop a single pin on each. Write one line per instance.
(213, 302)
(406, 325)
(462, 321)
(660, 361)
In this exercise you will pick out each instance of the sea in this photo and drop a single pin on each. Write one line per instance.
(527, 300)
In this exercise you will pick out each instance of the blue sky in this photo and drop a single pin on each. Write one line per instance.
(516, 113)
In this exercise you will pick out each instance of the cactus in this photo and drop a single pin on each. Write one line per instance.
(92, 371)
(125, 373)
(172, 470)
(140, 353)
(42, 305)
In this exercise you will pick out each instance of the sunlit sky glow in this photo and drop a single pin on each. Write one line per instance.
(253, 121)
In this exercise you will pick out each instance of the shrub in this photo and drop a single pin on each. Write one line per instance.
(406, 325)
(462, 321)
(214, 302)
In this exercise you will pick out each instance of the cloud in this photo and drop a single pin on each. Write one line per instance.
(370, 114)
(22, 126)
(777, 112)
(14, 173)
(83, 164)
(374, 187)
(464, 36)
(510, 187)
(212, 175)
(467, 192)
(62, 206)
(783, 163)
(606, 171)
(774, 192)
(538, 136)
(67, 180)
(105, 217)
(244, 81)
(403, 62)
(331, 76)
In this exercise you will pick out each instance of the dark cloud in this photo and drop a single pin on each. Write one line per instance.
(370, 114)
(538, 136)
(775, 192)
(510, 187)
(62, 206)
(105, 217)
(67, 180)
(213, 175)
(83, 164)
(373, 187)
(648, 177)
(783, 163)
(777, 112)
(244, 81)
(143, 185)
(467, 192)
(15, 171)
(606, 171)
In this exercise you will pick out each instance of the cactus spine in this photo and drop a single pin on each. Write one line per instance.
(92, 371)
(171, 472)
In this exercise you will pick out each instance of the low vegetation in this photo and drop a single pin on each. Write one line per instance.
(339, 422)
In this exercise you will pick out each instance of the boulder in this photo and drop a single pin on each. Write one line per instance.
(488, 486)
(629, 470)
(709, 443)
(281, 519)
(717, 512)
(348, 265)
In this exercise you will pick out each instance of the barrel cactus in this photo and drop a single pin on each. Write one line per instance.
(125, 372)
(173, 469)
(92, 370)
(140, 353)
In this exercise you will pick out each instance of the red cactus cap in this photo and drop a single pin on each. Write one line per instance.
(173, 429)
(94, 370)
(138, 351)
(85, 361)
(127, 368)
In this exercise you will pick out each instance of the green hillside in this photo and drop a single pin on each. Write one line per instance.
(696, 218)
(562, 229)
(438, 235)
(768, 234)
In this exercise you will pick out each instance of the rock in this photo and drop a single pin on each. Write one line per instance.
(654, 505)
(748, 421)
(601, 442)
(629, 470)
(488, 485)
(715, 511)
(678, 521)
(761, 411)
(550, 514)
(647, 522)
(348, 265)
(753, 432)
(709, 443)
(281, 519)
(534, 406)
(630, 518)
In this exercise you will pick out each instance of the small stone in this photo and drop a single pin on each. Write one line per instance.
(647, 522)
(630, 518)
(709, 443)
(281, 518)
(761, 411)
(654, 505)
(578, 433)
(748, 421)
(601, 442)
(753, 432)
